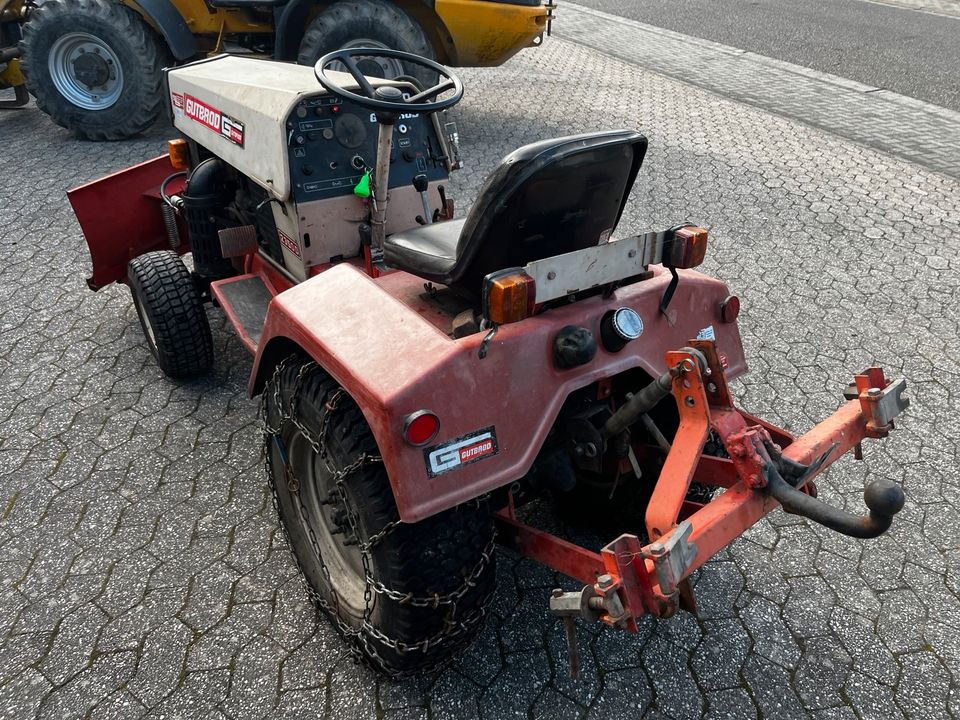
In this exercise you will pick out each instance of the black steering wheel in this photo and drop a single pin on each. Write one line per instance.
(387, 98)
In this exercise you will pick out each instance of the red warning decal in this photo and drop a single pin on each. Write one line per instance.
(212, 118)
(289, 243)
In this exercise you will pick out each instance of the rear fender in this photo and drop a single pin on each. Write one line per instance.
(394, 362)
(120, 217)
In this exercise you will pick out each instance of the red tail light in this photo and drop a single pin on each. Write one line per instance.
(730, 308)
(420, 427)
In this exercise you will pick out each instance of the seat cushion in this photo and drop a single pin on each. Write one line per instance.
(429, 251)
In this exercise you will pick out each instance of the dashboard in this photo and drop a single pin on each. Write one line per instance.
(331, 143)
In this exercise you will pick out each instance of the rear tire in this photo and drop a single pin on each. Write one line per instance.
(126, 61)
(323, 520)
(346, 22)
(171, 313)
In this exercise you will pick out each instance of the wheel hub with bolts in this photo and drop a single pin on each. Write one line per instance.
(91, 69)
(86, 71)
(373, 66)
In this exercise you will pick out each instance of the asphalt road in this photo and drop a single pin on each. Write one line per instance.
(896, 48)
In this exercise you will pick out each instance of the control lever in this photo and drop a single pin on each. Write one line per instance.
(445, 211)
(420, 184)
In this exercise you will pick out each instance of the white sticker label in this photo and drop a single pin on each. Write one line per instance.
(461, 451)
(707, 333)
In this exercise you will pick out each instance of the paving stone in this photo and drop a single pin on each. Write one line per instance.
(626, 693)
(924, 686)
(733, 703)
(141, 567)
(822, 673)
(719, 657)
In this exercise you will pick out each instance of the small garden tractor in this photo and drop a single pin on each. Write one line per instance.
(96, 66)
(422, 378)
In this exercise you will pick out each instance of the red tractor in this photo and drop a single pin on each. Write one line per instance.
(423, 377)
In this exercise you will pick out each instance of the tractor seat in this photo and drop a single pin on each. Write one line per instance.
(547, 198)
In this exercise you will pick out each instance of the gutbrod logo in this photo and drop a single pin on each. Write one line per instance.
(210, 117)
(464, 450)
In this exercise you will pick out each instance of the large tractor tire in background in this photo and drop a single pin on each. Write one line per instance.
(373, 24)
(174, 320)
(95, 67)
(407, 596)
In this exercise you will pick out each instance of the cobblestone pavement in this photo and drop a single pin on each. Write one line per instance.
(902, 126)
(141, 566)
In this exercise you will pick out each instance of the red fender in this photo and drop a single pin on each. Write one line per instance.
(394, 362)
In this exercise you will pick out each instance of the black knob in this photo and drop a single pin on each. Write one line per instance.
(307, 170)
(573, 346)
(390, 93)
(618, 327)
(409, 155)
(420, 182)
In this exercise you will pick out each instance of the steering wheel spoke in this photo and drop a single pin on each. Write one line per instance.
(358, 75)
(367, 97)
(432, 92)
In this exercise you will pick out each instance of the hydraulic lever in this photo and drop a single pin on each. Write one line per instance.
(420, 184)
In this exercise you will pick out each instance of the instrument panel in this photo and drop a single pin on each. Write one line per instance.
(332, 142)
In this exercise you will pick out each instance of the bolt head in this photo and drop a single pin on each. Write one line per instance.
(605, 582)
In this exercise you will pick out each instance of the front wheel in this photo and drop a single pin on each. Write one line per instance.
(407, 596)
(171, 313)
(95, 67)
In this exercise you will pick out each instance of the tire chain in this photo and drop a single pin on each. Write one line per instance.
(455, 631)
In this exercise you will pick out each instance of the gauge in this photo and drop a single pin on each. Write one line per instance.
(350, 130)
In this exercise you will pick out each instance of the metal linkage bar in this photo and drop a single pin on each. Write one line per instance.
(767, 465)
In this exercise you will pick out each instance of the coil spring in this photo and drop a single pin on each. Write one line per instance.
(170, 223)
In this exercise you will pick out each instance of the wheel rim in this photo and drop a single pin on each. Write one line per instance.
(147, 324)
(86, 71)
(387, 68)
(320, 521)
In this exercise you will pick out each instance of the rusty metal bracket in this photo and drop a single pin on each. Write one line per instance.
(881, 400)
(673, 556)
(882, 406)
(592, 603)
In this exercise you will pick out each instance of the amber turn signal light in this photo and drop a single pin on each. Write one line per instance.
(508, 296)
(179, 154)
(688, 249)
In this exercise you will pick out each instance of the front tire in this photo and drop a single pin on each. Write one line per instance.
(368, 23)
(171, 313)
(95, 67)
(337, 508)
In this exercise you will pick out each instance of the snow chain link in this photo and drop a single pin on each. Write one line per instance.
(359, 639)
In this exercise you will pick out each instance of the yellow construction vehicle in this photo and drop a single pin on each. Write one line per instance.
(95, 66)
(10, 75)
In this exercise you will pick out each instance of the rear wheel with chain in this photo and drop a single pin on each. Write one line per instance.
(408, 596)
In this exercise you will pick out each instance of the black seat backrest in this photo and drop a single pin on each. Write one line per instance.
(548, 198)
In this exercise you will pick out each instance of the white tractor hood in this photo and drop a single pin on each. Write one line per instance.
(237, 107)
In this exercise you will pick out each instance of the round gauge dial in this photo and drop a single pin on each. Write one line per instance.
(350, 130)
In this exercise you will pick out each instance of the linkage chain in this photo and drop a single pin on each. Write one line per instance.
(361, 638)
